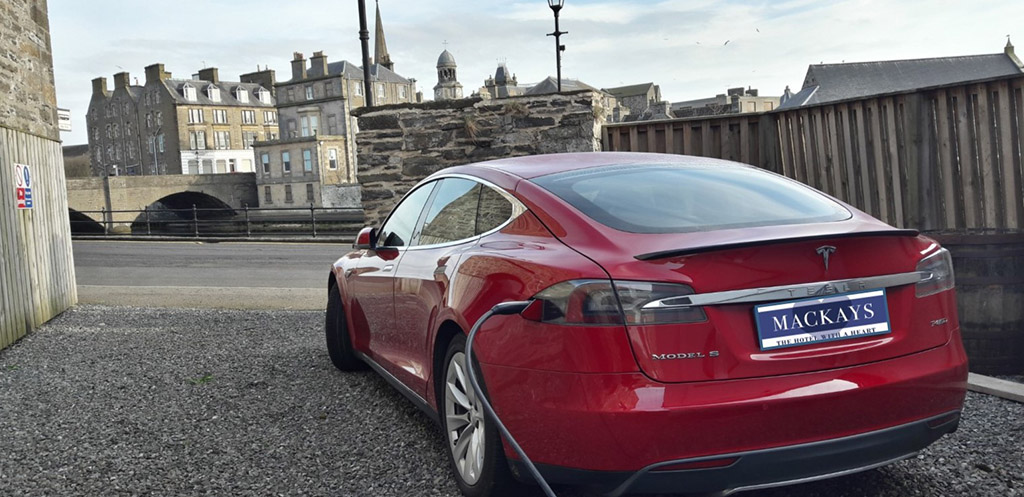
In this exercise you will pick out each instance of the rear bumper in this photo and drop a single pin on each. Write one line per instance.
(768, 467)
(604, 429)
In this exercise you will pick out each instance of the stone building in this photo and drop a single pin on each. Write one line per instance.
(502, 85)
(199, 125)
(314, 120)
(643, 101)
(448, 86)
(734, 101)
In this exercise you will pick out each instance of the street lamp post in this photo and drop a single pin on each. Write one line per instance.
(556, 5)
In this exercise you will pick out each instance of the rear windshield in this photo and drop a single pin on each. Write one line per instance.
(665, 198)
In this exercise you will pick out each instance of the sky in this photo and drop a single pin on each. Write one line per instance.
(691, 48)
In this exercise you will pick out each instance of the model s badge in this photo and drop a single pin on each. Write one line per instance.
(824, 251)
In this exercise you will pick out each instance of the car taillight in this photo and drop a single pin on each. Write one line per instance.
(602, 302)
(940, 267)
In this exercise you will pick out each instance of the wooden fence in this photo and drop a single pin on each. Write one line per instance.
(938, 159)
(37, 274)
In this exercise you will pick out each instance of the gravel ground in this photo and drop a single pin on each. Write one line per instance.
(136, 401)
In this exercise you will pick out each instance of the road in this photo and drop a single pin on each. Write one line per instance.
(206, 275)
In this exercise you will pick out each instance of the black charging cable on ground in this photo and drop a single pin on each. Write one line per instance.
(503, 308)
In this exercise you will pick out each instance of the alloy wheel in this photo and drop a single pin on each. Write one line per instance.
(465, 423)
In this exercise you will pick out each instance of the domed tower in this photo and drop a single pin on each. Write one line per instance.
(448, 86)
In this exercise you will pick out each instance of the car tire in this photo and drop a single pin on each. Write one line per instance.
(339, 344)
(488, 474)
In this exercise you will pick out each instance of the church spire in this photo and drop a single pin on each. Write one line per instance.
(380, 53)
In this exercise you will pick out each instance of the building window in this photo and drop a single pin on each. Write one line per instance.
(309, 125)
(380, 90)
(329, 89)
(195, 116)
(332, 158)
(269, 117)
(265, 159)
(266, 195)
(291, 94)
(160, 118)
(291, 128)
(357, 88)
(189, 92)
(220, 116)
(248, 137)
(401, 92)
(309, 193)
(241, 95)
(309, 92)
(271, 135)
(286, 162)
(287, 194)
(152, 144)
(232, 166)
(332, 124)
(307, 160)
(131, 150)
(160, 142)
(248, 117)
(222, 140)
(197, 140)
(213, 93)
(263, 95)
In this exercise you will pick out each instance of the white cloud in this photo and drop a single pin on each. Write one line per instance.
(679, 44)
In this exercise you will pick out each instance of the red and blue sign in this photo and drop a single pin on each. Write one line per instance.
(822, 319)
(23, 186)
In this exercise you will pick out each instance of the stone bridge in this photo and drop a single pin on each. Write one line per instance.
(87, 198)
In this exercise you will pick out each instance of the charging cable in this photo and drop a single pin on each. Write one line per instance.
(503, 308)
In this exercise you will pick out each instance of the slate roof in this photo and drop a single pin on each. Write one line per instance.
(630, 90)
(826, 83)
(349, 70)
(550, 85)
(227, 93)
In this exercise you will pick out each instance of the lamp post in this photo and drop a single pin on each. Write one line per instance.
(556, 5)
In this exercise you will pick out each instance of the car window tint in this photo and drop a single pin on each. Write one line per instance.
(452, 213)
(398, 229)
(679, 199)
(494, 210)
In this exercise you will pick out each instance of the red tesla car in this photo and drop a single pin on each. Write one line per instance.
(695, 325)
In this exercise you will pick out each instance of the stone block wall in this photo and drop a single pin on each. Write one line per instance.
(399, 145)
(26, 70)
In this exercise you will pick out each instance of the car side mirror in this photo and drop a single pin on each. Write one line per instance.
(366, 239)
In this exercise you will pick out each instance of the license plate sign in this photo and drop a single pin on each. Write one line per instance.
(822, 319)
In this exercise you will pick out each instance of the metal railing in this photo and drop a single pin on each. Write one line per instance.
(206, 222)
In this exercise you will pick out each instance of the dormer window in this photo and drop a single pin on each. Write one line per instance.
(189, 92)
(213, 93)
(263, 95)
(241, 95)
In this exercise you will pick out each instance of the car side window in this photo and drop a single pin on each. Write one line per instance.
(452, 214)
(398, 229)
(494, 210)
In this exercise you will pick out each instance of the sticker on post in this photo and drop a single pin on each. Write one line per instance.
(822, 319)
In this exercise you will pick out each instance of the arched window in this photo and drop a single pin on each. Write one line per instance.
(241, 95)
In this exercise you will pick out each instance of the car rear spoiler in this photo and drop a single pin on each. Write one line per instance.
(753, 243)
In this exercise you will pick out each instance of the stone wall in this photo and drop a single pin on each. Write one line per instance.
(399, 145)
(26, 70)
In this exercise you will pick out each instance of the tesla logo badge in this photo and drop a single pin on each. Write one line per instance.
(824, 251)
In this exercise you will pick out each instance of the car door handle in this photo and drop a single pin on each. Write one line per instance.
(388, 268)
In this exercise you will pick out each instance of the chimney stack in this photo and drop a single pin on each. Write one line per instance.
(209, 74)
(121, 80)
(318, 65)
(156, 73)
(99, 87)
(264, 78)
(298, 66)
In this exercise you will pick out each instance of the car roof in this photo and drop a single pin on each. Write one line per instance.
(534, 166)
